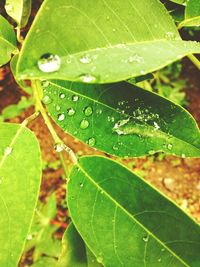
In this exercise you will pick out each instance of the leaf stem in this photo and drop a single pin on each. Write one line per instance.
(30, 118)
(19, 37)
(194, 60)
(59, 144)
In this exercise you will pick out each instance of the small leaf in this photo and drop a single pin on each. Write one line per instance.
(74, 251)
(20, 175)
(125, 221)
(19, 10)
(192, 14)
(8, 44)
(122, 119)
(104, 42)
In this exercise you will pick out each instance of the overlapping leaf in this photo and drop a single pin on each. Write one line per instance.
(20, 173)
(7, 41)
(122, 119)
(126, 222)
(101, 42)
(19, 10)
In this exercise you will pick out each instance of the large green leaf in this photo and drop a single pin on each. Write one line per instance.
(125, 221)
(100, 42)
(122, 119)
(74, 251)
(7, 41)
(20, 174)
(19, 10)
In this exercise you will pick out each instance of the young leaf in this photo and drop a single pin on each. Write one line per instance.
(125, 221)
(8, 44)
(101, 42)
(122, 119)
(19, 10)
(20, 174)
(180, 2)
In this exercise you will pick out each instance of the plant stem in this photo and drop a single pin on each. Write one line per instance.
(19, 38)
(194, 60)
(30, 118)
(37, 93)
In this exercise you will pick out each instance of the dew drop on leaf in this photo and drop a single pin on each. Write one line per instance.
(88, 111)
(159, 260)
(115, 147)
(81, 185)
(8, 151)
(169, 35)
(91, 141)
(61, 117)
(75, 98)
(45, 83)
(71, 112)
(99, 259)
(87, 78)
(145, 238)
(57, 107)
(46, 100)
(169, 146)
(135, 58)
(84, 124)
(62, 95)
(49, 63)
(151, 152)
(86, 59)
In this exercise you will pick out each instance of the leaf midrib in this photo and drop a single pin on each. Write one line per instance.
(129, 214)
(111, 108)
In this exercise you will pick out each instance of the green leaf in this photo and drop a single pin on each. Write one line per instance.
(103, 42)
(19, 10)
(74, 251)
(122, 119)
(45, 262)
(125, 221)
(180, 2)
(8, 44)
(20, 175)
(21, 83)
(192, 14)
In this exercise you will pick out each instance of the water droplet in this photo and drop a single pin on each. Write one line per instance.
(115, 147)
(62, 95)
(135, 58)
(99, 259)
(156, 126)
(84, 124)
(45, 83)
(59, 147)
(87, 78)
(159, 260)
(142, 72)
(29, 237)
(8, 151)
(86, 59)
(162, 249)
(91, 141)
(75, 98)
(169, 146)
(61, 117)
(71, 111)
(145, 238)
(169, 35)
(151, 152)
(88, 111)
(57, 107)
(117, 127)
(46, 100)
(81, 185)
(49, 63)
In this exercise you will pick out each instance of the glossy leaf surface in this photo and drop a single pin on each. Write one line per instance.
(101, 42)
(122, 119)
(125, 221)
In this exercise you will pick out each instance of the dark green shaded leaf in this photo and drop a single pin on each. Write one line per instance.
(125, 221)
(122, 119)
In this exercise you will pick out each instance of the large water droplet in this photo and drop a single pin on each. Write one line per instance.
(71, 111)
(8, 150)
(75, 98)
(88, 111)
(86, 59)
(61, 117)
(84, 124)
(47, 100)
(87, 78)
(49, 63)
(91, 141)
